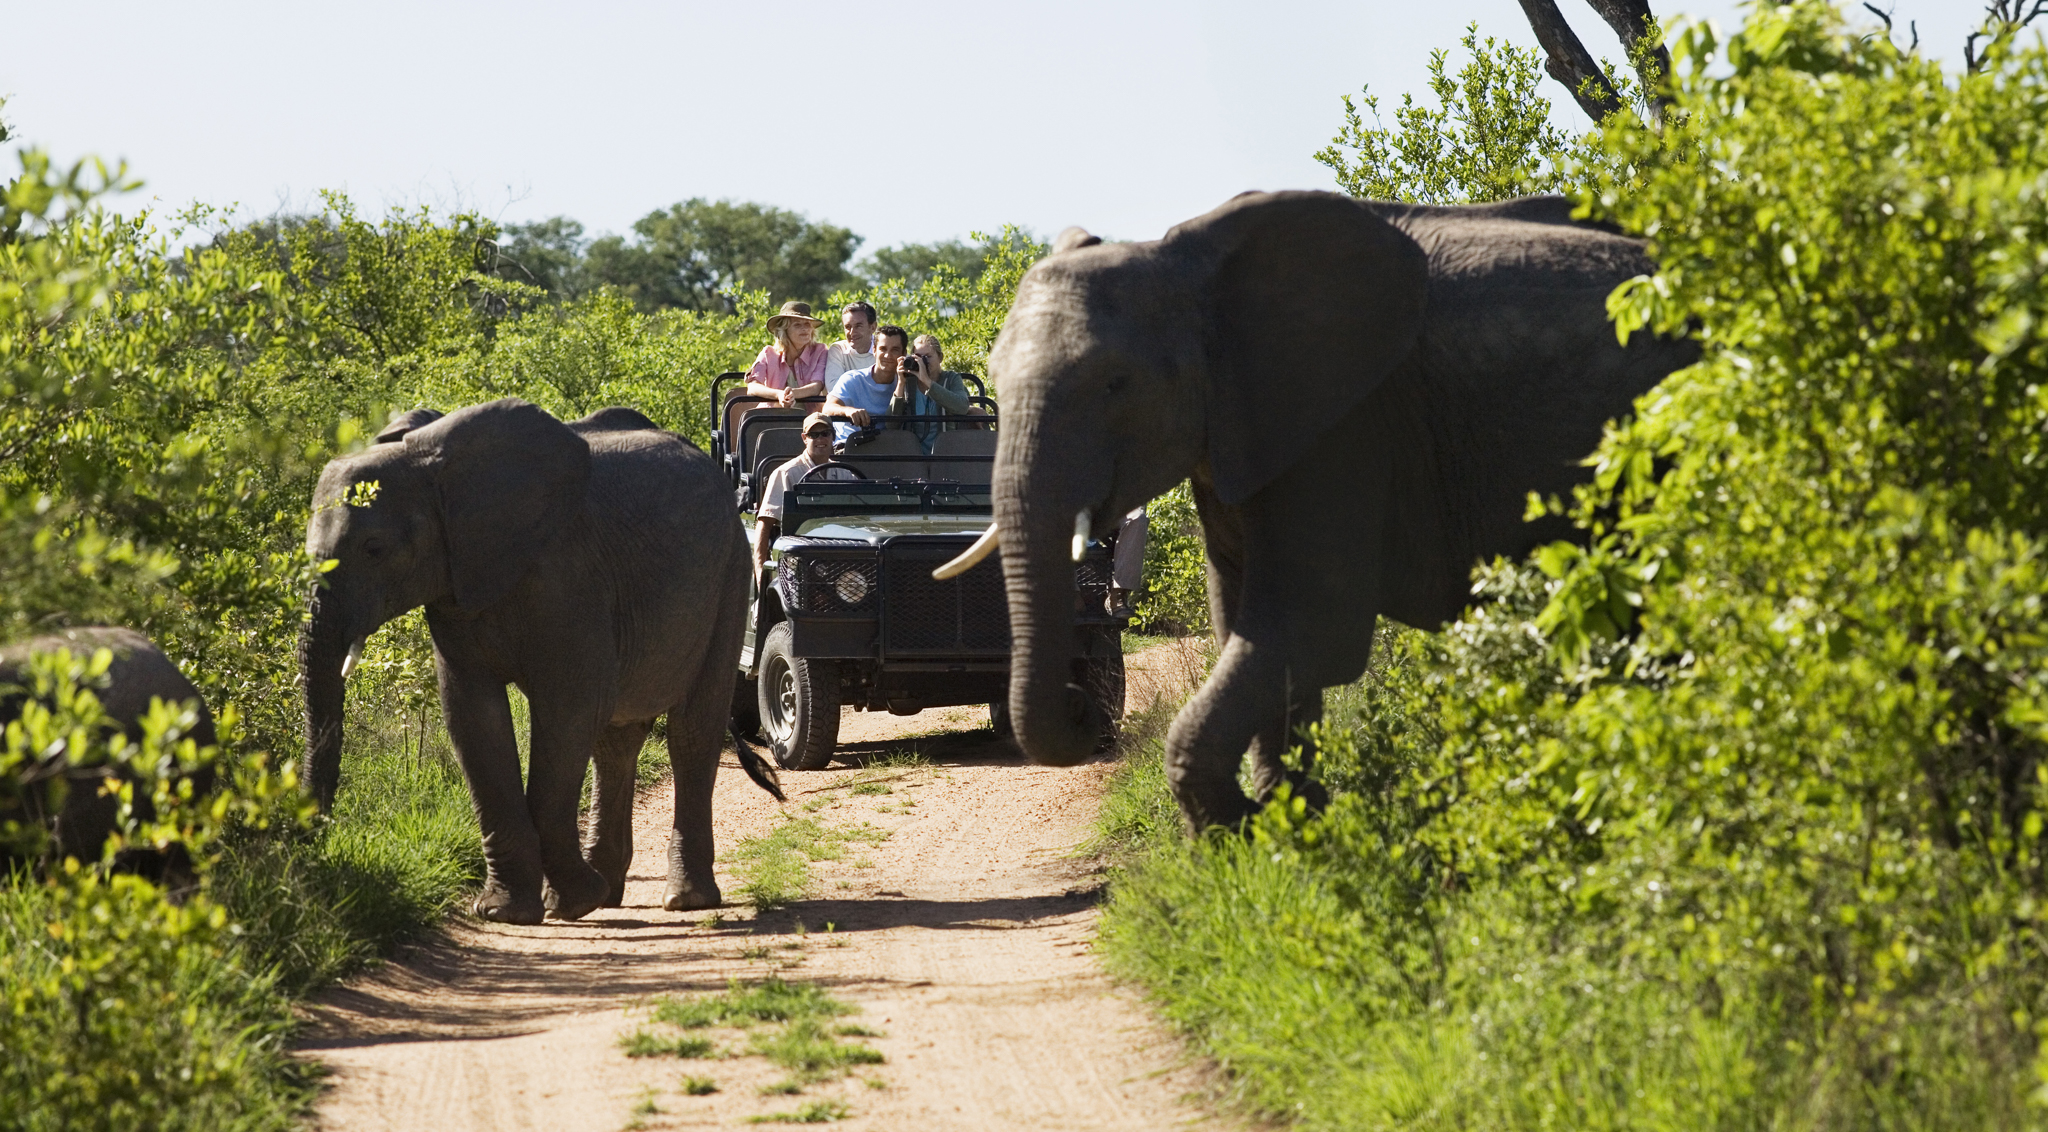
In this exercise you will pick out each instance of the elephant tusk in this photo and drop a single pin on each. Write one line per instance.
(969, 558)
(1083, 523)
(355, 653)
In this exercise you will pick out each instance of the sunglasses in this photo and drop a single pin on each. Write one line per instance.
(825, 432)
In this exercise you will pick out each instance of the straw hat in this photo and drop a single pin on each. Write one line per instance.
(791, 309)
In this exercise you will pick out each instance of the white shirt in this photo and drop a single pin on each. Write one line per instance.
(777, 488)
(840, 358)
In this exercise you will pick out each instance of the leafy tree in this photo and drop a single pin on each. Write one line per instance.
(1489, 137)
(915, 263)
(548, 254)
(695, 255)
(965, 312)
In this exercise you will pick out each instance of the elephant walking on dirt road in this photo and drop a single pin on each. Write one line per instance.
(1364, 395)
(599, 566)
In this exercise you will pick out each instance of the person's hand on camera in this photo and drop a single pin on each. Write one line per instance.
(927, 369)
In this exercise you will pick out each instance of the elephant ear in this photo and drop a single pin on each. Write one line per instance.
(511, 479)
(406, 422)
(1315, 302)
(1072, 238)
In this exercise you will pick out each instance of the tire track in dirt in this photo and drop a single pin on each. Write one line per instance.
(965, 942)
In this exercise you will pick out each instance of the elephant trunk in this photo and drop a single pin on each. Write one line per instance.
(324, 650)
(1056, 722)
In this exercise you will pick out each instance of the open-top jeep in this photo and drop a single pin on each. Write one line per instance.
(847, 613)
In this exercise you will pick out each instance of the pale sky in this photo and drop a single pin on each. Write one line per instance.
(901, 119)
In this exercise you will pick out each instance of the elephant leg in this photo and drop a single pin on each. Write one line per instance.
(696, 731)
(480, 728)
(608, 830)
(565, 736)
(696, 734)
(1244, 697)
(1304, 706)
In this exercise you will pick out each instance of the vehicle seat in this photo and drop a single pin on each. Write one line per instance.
(754, 423)
(773, 448)
(736, 411)
(893, 453)
(965, 457)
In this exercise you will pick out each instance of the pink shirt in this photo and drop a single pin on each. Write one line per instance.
(770, 370)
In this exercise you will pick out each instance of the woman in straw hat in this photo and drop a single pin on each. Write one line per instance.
(791, 367)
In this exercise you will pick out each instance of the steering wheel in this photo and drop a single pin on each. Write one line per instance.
(857, 473)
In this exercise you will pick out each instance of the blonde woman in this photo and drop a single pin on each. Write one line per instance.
(792, 367)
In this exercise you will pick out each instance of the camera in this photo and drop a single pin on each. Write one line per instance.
(910, 363)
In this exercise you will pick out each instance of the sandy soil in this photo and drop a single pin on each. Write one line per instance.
(964, 939)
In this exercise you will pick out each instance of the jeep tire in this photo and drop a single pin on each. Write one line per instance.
(799, 701)
(1102, 677)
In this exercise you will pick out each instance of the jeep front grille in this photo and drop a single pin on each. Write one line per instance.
(961, 616)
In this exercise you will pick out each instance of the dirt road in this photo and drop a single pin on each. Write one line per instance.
(962, 938)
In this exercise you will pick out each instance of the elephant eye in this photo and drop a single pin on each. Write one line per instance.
(373, 547)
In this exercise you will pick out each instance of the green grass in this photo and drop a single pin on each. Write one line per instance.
(396, 856)
(771, 1000)
(815, 1112)
(807, 1046)
(775, 868)
(791, 1024)
(1137, 811)
(899, 758)
(698, 1086)
(649, 1043)
(1139, 642)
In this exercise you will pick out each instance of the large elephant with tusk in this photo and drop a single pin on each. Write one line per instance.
(598, 565)
(1364, 394)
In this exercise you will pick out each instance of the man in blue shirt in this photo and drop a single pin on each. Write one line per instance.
(862, 394)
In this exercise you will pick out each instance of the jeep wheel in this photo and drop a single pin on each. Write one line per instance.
(799, 704)
(1102, 677)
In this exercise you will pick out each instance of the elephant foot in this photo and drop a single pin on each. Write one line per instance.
(614, 883)
(580, 895)
(683, 896)
(499, 905)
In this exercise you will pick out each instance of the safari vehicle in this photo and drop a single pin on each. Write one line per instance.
(847, 613)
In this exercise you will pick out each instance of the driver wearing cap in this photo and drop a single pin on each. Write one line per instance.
(817, 451)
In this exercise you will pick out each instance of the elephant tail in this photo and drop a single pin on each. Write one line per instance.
(759, 769)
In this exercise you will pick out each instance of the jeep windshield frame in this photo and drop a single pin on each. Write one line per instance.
(831, 499)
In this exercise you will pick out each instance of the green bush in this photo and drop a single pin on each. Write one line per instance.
(123, 1011)
(1731, 817)
(1176, 597)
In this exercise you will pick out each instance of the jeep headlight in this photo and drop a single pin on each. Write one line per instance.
(852, 587)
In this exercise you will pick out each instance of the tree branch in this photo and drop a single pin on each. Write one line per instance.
(1568, 61)
(2001, 18)
(1630, 20)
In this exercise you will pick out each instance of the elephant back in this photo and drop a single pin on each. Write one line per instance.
(139, 672)
(655, 482)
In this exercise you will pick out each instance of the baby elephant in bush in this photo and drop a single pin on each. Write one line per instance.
(66, 796)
